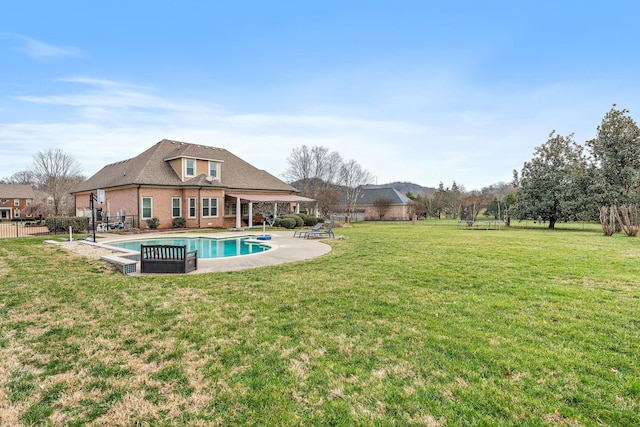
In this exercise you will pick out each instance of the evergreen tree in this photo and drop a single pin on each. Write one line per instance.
(616, 156)
(550, 180)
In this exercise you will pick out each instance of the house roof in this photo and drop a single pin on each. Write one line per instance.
(17, 191)
(369, 194)
(152, 167)
(271, 197)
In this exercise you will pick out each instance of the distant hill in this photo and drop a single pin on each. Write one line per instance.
(402, 187)
(415, 189)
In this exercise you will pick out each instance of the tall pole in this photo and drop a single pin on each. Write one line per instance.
(92, 197)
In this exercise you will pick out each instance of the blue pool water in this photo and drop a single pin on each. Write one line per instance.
(207, 247)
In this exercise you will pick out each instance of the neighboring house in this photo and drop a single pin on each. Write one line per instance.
(14, 199)
(382, 203)
(172, 179)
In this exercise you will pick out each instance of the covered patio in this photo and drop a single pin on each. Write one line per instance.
(251, 198)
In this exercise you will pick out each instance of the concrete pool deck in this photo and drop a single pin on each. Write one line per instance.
(284, 248)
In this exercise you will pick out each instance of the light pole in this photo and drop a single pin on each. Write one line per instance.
(92, 198)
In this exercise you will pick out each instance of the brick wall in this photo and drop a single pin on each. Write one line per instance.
(10, 207)
(162, 206)
(394, 213)
(126, 202)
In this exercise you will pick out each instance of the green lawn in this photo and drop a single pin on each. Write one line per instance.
(398, 325)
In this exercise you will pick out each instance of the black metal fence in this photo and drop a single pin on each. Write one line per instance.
(27, 228)
(60, 226)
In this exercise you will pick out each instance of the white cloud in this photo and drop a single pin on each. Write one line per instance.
(40, 50)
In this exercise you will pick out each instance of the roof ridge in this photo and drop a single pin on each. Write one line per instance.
(152, 152)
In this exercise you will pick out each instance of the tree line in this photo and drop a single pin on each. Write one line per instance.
(600, 180)
(455, 202)
(54, 173)
(564, 181)
(324, 176)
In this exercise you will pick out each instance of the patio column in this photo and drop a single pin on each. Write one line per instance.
(238, 213)
(297, 207)
(275, 210)
(250, 214)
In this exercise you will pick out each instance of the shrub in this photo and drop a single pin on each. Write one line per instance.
(299, 221)
(310, 221)
(153, 223)
(77, 223)
(302, 215)
(288, 223)
(179, 222)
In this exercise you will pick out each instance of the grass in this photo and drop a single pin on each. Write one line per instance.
(398, 325)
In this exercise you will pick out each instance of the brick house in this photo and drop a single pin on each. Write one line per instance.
(14, 199)
(172, 179)
(396, 206)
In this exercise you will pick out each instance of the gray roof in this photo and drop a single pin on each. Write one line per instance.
(368, 195)
(152, 168)
(17, 191)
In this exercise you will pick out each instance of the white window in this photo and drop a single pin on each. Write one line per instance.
(229, 209)
(209, 207)
(16, 202)
(213, 170)
(147, 207)
(16, 213)
(190, 167)
(192, 207)
(176, 207)
(29, 202)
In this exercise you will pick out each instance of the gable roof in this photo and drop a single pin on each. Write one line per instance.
(369, 194)
(152, 167)
(17, 191)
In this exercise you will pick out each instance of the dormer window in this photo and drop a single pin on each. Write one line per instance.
(213, 170)
(189, 167)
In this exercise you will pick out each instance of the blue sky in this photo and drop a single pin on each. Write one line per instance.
(419, 91)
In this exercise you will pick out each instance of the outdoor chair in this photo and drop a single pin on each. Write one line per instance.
(302, 233)
(327, 231)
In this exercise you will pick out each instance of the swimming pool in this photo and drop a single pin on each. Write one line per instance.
(208, 247)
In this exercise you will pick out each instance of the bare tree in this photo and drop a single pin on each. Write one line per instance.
(423, 206)
(352, 178)
(471, 204)
(328, 199)
(331, 164)
(300, 168)
(265, 210)
(382, 204)
(270, 210)
(40, 209)
(55, 173)
(312, 169)
(21, 177)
